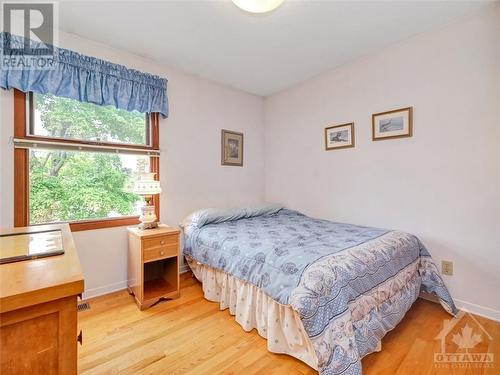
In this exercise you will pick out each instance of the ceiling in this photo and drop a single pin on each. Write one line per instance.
(261, 54)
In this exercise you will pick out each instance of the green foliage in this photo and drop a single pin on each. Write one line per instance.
(69, 186)
(69, 118)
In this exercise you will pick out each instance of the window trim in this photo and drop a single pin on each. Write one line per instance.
(21, 168)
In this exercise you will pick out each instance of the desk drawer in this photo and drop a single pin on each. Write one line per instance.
(160, 252)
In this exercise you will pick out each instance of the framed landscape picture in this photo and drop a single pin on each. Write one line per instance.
(232, 148)
(392, 124)
(339, 136)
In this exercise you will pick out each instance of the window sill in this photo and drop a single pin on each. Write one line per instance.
(104, 223)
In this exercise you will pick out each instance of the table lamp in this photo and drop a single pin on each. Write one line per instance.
(147, 186)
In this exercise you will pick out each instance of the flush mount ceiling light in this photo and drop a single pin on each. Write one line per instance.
(258, 6)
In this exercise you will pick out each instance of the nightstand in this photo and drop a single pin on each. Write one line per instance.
(153, 264)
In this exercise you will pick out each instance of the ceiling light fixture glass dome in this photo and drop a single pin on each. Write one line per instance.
(258, 6)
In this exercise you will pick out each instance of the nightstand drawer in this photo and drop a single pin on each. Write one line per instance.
(160, 252)
(162, 241)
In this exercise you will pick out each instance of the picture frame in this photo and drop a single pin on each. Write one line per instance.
(339, 136)
(231, 148)
(397, 123)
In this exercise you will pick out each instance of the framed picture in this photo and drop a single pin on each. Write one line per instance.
(232, 148)
(339, 136)
(392, 124)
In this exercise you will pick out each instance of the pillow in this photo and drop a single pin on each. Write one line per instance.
(218, 215)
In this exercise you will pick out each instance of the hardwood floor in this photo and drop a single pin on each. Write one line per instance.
(190, 335)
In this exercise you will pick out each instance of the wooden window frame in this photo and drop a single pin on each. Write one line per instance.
(21, 168)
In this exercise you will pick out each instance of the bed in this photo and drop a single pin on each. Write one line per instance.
(323, 292)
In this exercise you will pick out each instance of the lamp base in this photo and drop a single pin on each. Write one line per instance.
(152, 225)
(148, 218)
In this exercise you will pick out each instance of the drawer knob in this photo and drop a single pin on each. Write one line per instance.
(79, 338)
(162, 252)
(162, 242)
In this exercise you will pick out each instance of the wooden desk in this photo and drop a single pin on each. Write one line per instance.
(38, 307)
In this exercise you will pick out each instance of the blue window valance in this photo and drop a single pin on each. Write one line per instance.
(83, 78)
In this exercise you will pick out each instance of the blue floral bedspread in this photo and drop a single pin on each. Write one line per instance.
(350, 284)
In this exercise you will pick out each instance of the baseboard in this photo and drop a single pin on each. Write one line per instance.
(110, 288)
(184, 268)
(483, 311)
(429, 297)
(106, 289)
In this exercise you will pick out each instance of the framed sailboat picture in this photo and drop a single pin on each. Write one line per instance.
(392, 124)
(339, 136)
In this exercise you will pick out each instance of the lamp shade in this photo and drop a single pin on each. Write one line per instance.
(147, 185)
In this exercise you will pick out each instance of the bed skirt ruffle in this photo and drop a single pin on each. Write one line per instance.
(252, 308)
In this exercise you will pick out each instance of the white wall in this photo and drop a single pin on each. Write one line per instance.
(443, 184)
(191, 174)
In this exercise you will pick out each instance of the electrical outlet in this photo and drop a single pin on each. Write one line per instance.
(447, 267)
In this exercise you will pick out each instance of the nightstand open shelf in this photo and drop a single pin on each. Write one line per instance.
(160, 278)
(156, 288)
(153, 264)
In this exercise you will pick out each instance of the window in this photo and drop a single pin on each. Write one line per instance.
(77, 162)
(73, 186)
(69, 119)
